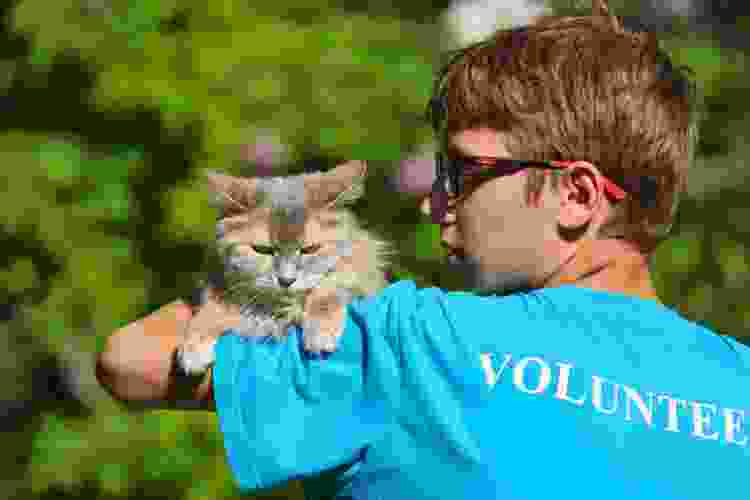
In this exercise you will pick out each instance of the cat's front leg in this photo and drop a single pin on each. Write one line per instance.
(196, 354)
(324, 317)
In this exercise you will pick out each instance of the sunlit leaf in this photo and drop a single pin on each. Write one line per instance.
(428, 241)
(679, 254)
(734, 261)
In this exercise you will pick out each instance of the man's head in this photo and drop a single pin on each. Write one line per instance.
(571, 89)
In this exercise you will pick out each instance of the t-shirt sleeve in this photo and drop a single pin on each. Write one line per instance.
(287, 415)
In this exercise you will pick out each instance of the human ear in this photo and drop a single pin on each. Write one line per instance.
(581, 194)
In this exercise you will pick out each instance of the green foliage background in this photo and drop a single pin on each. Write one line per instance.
(117, 106)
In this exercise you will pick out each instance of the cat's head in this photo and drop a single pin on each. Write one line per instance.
(291, 232)
(318, 191)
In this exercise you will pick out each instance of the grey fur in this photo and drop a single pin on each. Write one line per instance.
(242, 263)
(344, 248)
(287, 197)
(252, 282)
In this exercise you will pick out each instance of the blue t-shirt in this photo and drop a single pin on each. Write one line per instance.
(555, 393)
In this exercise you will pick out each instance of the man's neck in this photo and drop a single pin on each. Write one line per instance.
(612, 265)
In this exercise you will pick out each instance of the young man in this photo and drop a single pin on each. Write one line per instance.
(576, 382)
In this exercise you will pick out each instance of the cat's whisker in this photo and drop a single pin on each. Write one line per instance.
(236, 286)
(266, 308)
(324, 265)
(243, 264)
(265, 282)
(307, 282)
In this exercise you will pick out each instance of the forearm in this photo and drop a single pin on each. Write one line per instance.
(137, 366)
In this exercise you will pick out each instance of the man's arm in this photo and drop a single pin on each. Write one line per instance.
(137, 365)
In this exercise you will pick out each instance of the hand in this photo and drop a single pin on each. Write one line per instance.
(325, 310)
(196, 353)
(136, 364)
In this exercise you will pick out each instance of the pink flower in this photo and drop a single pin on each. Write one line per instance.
(416, 174)
(267, 153)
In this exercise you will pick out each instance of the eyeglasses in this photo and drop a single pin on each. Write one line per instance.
(453, 171)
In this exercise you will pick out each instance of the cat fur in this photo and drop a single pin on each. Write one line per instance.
(249, 298)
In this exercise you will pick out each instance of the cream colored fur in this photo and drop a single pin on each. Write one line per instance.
(296, 214)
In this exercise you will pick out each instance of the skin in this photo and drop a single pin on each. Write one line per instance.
(134, 367)
(507, 242)
(513, 243)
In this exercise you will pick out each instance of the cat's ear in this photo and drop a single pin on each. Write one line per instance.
(232, 195)
(338, 187)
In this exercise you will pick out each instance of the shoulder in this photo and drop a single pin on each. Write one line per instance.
(404, 296)
(404, 309)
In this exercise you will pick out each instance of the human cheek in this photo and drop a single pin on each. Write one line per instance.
(468, 231)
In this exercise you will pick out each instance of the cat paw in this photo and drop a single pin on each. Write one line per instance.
(196, 359)
(320, 337)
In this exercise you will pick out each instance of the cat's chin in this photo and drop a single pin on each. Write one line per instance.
(303, 285)
(306, 284)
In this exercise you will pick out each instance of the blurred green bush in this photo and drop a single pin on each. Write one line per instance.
(114, 108)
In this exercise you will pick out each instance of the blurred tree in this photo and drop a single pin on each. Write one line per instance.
(112, 108)
(110, 111)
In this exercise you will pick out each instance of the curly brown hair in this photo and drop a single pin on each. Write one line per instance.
(581, 88)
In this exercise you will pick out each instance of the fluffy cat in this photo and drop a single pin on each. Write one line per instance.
(293, 253)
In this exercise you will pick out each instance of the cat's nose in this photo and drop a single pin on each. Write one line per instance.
(286, 282)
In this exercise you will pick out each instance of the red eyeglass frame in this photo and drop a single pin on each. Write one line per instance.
(452, 172)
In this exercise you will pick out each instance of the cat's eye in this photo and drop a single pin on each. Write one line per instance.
(310, 249)
(264, 249)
